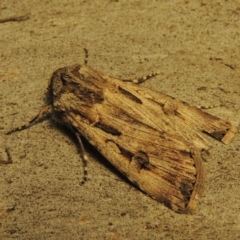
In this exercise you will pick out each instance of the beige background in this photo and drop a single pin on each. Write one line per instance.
(195, 47)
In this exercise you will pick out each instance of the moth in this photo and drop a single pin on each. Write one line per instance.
(153, 139)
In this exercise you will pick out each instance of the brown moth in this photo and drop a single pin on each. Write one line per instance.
(153, 139)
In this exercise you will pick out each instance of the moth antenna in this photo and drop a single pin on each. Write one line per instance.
(86, 56)
(209, 106)
(141, 79)
(84, 158)
(42, 113)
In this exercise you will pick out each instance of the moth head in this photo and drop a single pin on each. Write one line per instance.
(59, 82)
(76, 81)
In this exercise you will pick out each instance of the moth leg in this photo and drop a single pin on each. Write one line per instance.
(42, 113)
(141, 79)
(84, 158)
(86, 56)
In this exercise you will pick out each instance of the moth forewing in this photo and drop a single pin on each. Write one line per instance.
(152, 138)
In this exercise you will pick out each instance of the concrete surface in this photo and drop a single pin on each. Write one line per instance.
(195, 46)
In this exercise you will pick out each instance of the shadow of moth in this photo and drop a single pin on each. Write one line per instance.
(151, 138)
